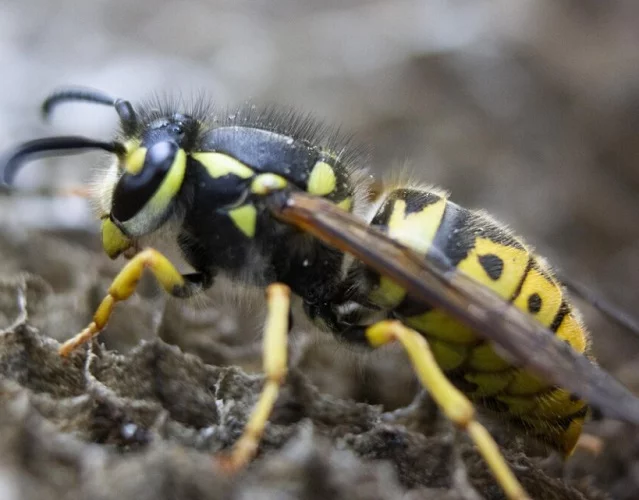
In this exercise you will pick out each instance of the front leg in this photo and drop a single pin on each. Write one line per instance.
(124, 284)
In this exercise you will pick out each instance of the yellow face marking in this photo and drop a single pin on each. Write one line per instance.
(150, 213)
(539, 297)
(113, 241)
(135, 160)
(244, 218)
(131, 145)
(573, 332)
(219, 165)
(267, 183)
(170, 185)
(514, 263)
(346, 204)
(322, 179)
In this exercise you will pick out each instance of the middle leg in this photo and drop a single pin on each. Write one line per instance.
(275, 368)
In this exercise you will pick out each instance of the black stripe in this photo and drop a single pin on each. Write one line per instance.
(517, 291)
(415, 200)
(453, 238)
(559, 317)
(450, 219)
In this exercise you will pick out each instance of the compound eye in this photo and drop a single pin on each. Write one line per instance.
(134, 191)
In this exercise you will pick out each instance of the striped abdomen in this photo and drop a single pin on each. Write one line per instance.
(478, 246)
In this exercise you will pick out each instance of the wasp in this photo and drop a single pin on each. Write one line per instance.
(268, 198)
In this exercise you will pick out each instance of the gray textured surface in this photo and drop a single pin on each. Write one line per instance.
(147, 424)
(528, 109)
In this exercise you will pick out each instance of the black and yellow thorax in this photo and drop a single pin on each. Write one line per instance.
(225, 224)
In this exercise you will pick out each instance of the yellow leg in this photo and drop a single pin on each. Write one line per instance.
(453, 403)
(275, 352)
(123, 287)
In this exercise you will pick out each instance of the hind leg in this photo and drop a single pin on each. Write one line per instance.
(452, 402)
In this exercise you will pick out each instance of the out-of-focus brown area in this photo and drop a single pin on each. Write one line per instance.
(529, 110)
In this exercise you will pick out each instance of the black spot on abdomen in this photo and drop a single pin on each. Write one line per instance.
(493, 265)
(534, 303)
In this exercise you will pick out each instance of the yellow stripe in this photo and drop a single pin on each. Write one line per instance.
(449, 356)
(135, 160)
(170, 185)
(549, 293)
(416, 230)
(113, 241)
(244, 219)
(398, 214)
(572, 331)
(558, 403)
(438, 324)
(483, 358)
(518, 405)
(570, 437)
(515, 263)
(488, 384)
(219, 165)
(322, 179)
(526, 384)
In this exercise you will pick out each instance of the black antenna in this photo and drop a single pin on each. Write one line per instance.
(62, 145)
(123, 108)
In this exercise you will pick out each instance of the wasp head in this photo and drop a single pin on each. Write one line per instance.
(137, 193)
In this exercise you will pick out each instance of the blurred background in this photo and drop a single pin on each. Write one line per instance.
(527, 109)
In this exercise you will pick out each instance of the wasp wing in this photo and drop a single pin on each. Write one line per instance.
(436, 283)
(604, 306)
